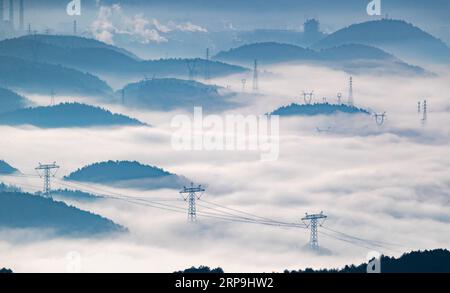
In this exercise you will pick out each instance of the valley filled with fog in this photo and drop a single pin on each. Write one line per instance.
(384, 186)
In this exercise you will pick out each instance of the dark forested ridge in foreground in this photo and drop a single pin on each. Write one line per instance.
(427, 261)
(5, 271)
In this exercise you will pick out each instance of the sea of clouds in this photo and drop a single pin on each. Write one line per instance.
(388, 183)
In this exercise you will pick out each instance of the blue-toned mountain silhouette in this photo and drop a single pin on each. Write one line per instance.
(127, 174)
(395, 36)
(171, 93)
(67, 115)
(104, 60)
(317, 109)
(349, 57)
(41, 78)
(26, 211)
(10, 101)
(6, 168)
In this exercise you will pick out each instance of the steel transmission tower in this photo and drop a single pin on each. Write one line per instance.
(190, 195)
(45, 171)
(255, 76)
(313, 221)
(207, 71)
(425, 112)
(350, 92)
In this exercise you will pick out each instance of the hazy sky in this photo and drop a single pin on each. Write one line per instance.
(249, 14)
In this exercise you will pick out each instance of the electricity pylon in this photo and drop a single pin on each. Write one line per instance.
(191, 197)
(312, 221)
(255, 76)
(425, 112)
(47, 174)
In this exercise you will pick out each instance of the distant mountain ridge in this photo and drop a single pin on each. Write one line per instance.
(102, 59)
(41, 78)
(127, 174)
(395, 36)
(348, 56)
(67, 115)
(26, 211)
(171, 93)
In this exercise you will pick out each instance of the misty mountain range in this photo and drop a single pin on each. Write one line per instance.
(127, 174)
(394, 36)
(350, 57)
(317, 109)
(42, 78)
(170, 93)
(26, 211)
(66, 115)
(105, 60)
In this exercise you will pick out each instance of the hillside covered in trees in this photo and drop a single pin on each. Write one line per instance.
(317, 109)
(26, 211)
(127, 174)
(170, 93)
(67, 115)
(98, 58)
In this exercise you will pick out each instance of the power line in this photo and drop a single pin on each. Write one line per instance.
(230, 215)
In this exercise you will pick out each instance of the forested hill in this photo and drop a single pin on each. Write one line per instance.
(26, 211)
(126, 174)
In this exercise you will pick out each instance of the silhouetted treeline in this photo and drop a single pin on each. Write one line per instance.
(428, 261)
(5, 271)
(202, 270)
